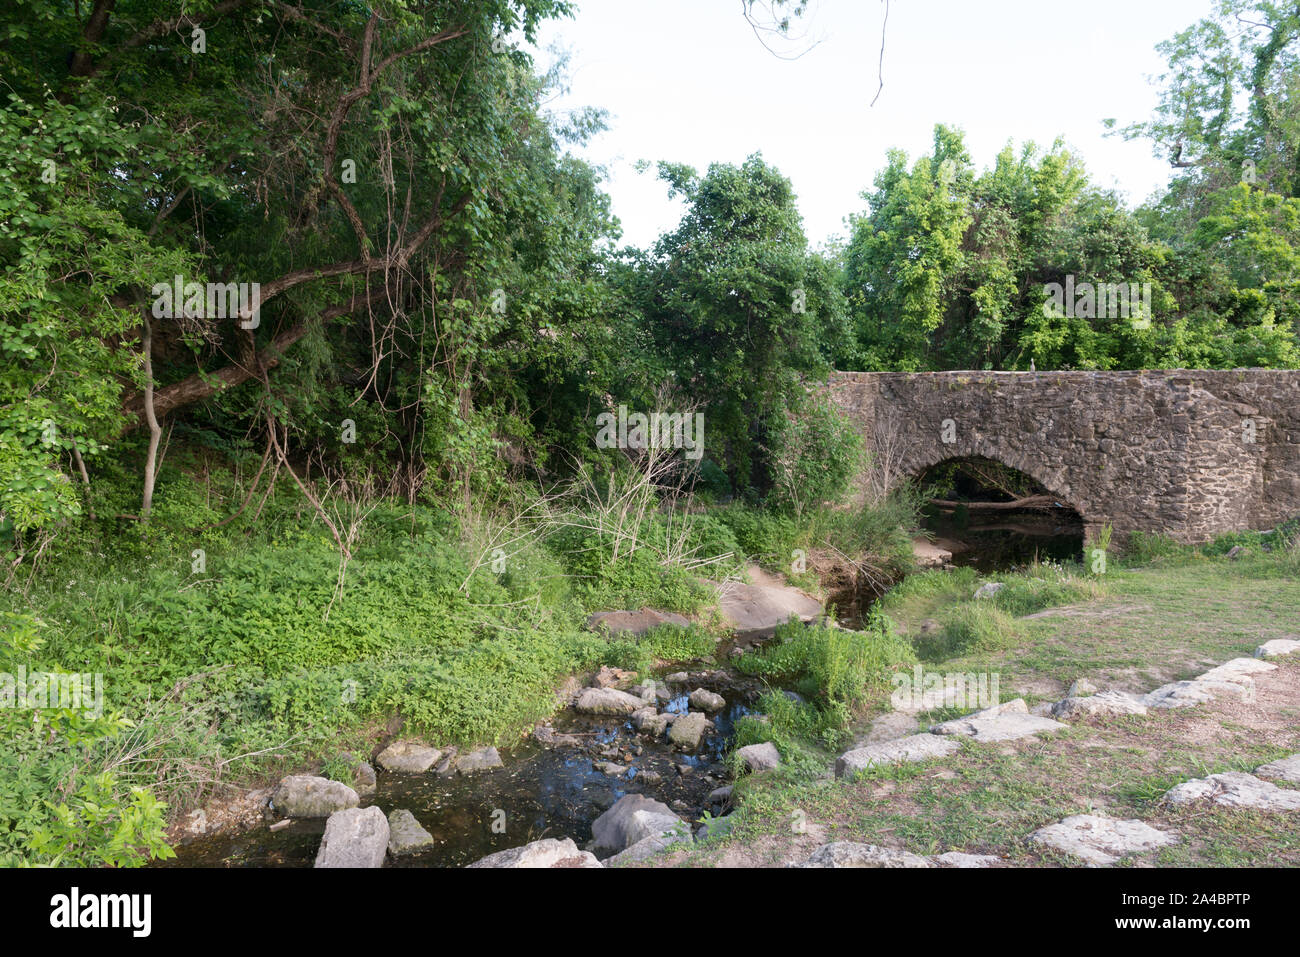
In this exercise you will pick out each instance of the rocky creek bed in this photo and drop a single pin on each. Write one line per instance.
(553, 785)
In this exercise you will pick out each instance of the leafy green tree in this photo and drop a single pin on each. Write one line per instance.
(739, 306)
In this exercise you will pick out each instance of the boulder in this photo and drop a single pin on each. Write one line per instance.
(548, 852)
(1101, 840)
(551, 738)
(355, 837)
(1287, 769)
(1105, 702)
(989, 590)
(848, 854)
(648, 847)
(756, 610)
(720, 795)
(704, 700)
(405, 835)
(607, 701)
(1235, 789)
(408, 757)
(635, 623)
(687, 730)
(609, 677)
(304, 795)
(364, 781)
(482, 759)
(760, 757)
(633, 818)
(916, 747)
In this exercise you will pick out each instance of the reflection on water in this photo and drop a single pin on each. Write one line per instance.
(998, 541)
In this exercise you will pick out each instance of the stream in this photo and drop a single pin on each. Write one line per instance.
(543, 791)
(559, 790)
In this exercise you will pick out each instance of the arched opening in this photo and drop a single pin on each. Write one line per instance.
(991, 516)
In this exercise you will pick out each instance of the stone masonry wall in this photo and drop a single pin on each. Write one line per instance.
(1186, 453)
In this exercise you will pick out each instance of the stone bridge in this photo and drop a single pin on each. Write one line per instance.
(1189, 454)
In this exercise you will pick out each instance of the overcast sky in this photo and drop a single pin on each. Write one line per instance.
(688, 81)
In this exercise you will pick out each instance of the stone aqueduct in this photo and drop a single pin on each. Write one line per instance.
(1189, 454)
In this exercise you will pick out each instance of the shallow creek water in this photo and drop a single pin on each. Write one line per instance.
(543, 792)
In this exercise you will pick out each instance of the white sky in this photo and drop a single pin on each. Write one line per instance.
(688, 81)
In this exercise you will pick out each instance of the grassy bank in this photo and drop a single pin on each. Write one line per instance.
(233, 651)
(1149, 619)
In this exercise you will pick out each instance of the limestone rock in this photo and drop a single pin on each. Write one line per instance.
(482, 759)
(1287, 769)
(917, 747)
(703, 700)
(634, 818)
(1105, 702)
(405, 835)
(548, 852)
(1235, 789)
(304, 795)
(967, 861)
(648, 847)
(408, 757)
(687, 731)
(1102, 840)
(1008, 721)
(607, 701)
(1081, 688)
(355, 837)
(848, 854)
(989, 590)
(363, 779)
(1277, 647)
(757, 609)
(635, 623)
(760, 757)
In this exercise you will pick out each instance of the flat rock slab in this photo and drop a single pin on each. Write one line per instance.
(1277, 647)
(607, 701)
(1102, 840)
(760, 757)
(408, 757)
(891, 726)
(356, 837)
(548, 852)
(1287, 769)
(1238, 670)
(405, 835)
(966, 861)
(1235, 789)
(849, 854)
(635, 623)
(916, 747)
(305, 795)
(1186, 694)
(1104, 702)
(754, 610)
(634, 818)
(1009, 721)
